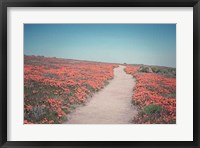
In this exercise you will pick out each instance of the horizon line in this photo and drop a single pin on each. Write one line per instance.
(96, 61)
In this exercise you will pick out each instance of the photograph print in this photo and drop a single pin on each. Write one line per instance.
(99, 74)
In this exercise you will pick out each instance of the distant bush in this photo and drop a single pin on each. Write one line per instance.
(164, 71)
(144, 69)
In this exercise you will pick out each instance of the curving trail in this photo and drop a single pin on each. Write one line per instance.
(111, 105)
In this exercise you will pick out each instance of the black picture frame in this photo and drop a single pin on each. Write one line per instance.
(4, 4)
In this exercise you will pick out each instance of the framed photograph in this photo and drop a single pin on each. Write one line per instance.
(100, 73)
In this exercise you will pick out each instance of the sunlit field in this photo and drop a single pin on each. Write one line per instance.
(154, 94)
(53, 87)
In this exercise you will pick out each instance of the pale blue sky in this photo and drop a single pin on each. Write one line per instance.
(151, 44)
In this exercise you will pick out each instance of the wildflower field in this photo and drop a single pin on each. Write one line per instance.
(154, 94)
(53, 87)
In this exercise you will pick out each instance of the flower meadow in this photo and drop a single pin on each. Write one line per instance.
(154, 94)
(53, 87)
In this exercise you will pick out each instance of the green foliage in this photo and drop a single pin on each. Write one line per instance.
(144, 69)
(152, 109)
(169, 95)
(164, 71)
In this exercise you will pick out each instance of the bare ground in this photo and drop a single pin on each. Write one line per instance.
(111, 105)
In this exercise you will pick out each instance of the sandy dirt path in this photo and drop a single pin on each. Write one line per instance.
(111, 105)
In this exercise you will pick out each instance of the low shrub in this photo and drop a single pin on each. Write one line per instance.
(152, 109)
(144, 69)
